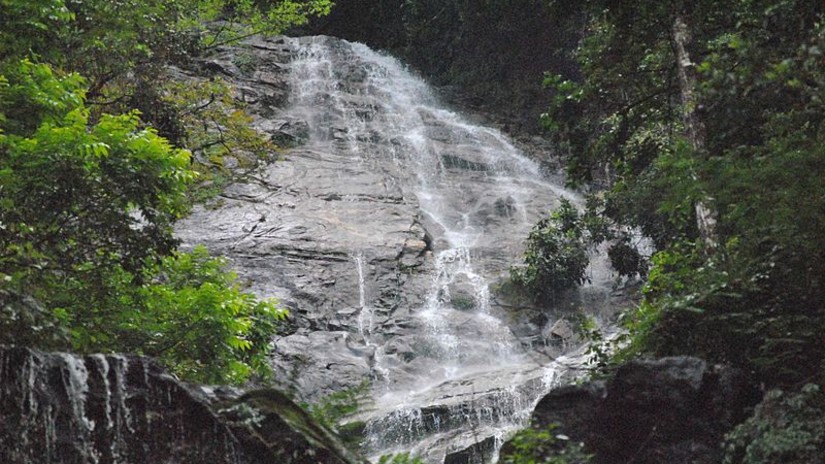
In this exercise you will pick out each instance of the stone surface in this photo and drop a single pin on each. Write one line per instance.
(476, 453)
(561, 329)
(59, 408)
(380, 228)
(667, 410)
(274, 429)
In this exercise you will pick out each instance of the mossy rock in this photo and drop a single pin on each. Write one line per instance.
(352, 433)
(463, 303)
(280, 431)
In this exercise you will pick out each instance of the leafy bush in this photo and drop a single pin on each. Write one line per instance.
(556, 255)
(544, 446)
(332, 408)
(193, 317)
(786, 427)
(401, 458)
(88, 259)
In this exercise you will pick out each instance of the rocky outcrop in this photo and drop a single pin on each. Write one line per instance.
(475, 453)
(323, 232)
(381, 229)
(668, 410)
(59, 408)
(275, 429)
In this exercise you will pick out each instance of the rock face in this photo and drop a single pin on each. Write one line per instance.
(382, 228)
(58, 408)
(272, 428)
(667, 410)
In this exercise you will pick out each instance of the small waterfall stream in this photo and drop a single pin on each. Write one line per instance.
(470, 380)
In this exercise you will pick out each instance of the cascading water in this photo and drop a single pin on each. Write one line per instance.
(467, 378)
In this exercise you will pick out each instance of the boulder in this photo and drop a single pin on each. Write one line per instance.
(480, 451)
(286, 133)
(673, 409)
(275, 429)
(463, 294)
(60, 408)
(561, 330)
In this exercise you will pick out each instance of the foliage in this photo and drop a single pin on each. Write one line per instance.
(214, 124)
(79, 198)
(122, 48)
(88, 259)
(599, 349)
(30, 25)
(401, 458)
(787, 427)
(90, 193)
(194, 317)
(104, 39)
(556, 254)
(755, 296)
(544, 446)
(331, 409)
(248, 17)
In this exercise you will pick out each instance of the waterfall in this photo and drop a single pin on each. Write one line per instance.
(469, 378)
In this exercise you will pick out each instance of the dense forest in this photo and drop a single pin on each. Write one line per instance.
(703, 123)
(696, 125)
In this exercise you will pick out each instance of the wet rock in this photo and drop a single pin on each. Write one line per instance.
(413, 253)
(667, 410)
(457, 162)
(478, 452)
(285, 133)
(367, 233)
(505, 207)
(59, 408)
(463, 294)
(274, 429)
(560, 330)
(338, 133)
(401, 348)
(220, 66)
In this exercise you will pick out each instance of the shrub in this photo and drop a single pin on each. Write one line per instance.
(556, 255)
(544, 446)
(786, 427)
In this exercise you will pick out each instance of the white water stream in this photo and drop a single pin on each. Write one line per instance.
(471, 379)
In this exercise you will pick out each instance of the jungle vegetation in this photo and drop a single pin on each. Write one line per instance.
(96, 164)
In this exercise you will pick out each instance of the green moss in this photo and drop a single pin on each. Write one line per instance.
(212, 183)
(352, 433)
(463, 303)
(545, 446)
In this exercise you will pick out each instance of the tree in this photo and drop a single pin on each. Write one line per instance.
(122, 49)
(88, 259)
(80, 198)
(699, 110)
(555, 258)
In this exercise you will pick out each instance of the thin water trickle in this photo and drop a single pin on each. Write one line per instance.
(469, 377)
(366, 322)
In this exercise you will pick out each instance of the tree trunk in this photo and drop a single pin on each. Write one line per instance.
(694, 127)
